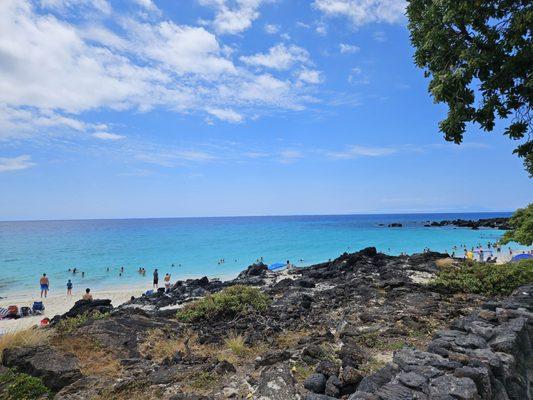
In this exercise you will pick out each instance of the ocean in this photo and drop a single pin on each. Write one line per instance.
(193, 247)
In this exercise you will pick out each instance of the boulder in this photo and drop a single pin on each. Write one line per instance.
(272, 357)
(327, 367)
(458, 388)
(55, 369)
(333, 385)
(315, 383)
(224, 367)
(276, 384)
(314, 396)
(86, 307)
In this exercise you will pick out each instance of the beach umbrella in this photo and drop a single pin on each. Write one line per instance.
(524, 256)
(275, 266)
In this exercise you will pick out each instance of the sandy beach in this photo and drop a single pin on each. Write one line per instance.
(59, 303)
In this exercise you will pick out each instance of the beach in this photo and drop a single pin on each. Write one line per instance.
(59, 303)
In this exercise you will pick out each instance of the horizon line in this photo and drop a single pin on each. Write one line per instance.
(255, 216)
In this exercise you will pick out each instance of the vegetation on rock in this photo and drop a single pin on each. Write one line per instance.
(521, 227)
(238, 299)
(19, 386)
(484, 278)
(24, 338)
(478, 55)
(69, 325)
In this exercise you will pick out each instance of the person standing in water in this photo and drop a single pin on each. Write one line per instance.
(156, 279)
(69, 288)
(45, 285)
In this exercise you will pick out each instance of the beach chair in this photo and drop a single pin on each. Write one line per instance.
(3, 312)
(38, 307)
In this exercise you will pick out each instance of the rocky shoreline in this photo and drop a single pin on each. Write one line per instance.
(494, 223)
(363, 326)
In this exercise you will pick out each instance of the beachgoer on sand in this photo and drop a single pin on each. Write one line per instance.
(45, 285)
(69, 288)
(156, 279)
(166, 279)
(87, 295)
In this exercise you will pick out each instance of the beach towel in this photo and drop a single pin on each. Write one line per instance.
(3, 312)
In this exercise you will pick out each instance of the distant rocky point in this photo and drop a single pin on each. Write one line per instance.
(495, 223)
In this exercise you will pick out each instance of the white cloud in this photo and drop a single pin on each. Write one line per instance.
(15, 163)
(52, 70)
(233, 16)
(173, 158)
(181, 49)
(280, 57)
(356, 76)
(348, 48)
(107, 136)
(310, 76)
(101, 6)
(290, 156)
(361, 151)
(380, 36)
(361, 12)
(226, 114)
(321, 29)
(147, 5)
(271, 29)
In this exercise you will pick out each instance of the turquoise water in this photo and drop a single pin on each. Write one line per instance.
(27, 249)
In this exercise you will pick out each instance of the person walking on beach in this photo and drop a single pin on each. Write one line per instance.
(156, 279)
(166, 279)
(87, 295)
(69, 288)
(45, 285)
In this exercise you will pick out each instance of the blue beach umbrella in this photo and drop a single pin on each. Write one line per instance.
(275, 266)
(524, 256)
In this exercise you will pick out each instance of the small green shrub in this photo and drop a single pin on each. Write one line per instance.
(203, 380)
(302, 371)
(18, 386)
(235, 343)
(227, 303)
(69, 325)
(485, 278)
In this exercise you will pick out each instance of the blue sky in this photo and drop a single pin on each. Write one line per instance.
(144, 108)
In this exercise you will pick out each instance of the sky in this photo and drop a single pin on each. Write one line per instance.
(165, 108)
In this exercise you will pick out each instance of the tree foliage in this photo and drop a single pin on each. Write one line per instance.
(479, 57)
(521, 227)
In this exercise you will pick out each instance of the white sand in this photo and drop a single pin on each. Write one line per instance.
(59, 304)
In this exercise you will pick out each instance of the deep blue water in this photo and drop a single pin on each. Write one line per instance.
(27, 249)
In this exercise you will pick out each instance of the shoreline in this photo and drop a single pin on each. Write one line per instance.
(60, 303)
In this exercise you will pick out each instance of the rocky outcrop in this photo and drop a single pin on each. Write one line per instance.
(57, 370)
(495, 223)
(327, 327)
(486, 355)
(85, 307)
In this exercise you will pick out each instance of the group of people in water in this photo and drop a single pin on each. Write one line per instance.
(44, 281)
